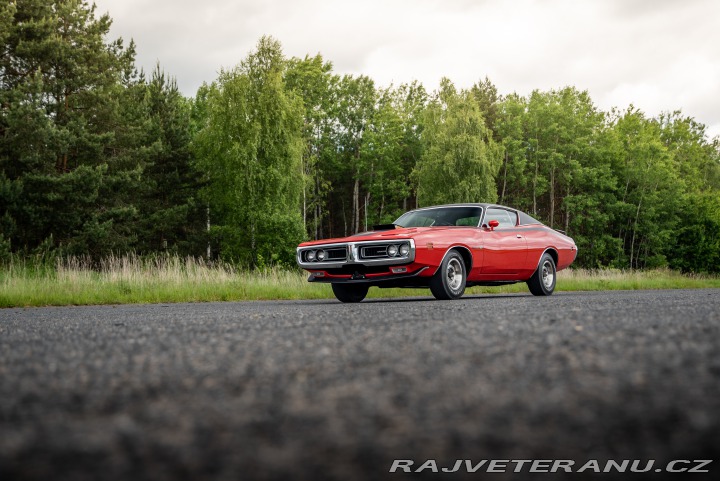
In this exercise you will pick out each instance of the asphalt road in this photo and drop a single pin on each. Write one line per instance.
(318, 390)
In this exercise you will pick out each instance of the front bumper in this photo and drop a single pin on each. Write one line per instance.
(360, 278)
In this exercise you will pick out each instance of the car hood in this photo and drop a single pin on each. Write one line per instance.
(381, 235)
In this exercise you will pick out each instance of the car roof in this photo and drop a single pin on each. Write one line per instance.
(468, 204)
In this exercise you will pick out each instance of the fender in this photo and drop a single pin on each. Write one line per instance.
(551, 248)
(457, 246)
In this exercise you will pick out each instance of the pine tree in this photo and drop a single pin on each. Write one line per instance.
(172, 217)
(59, 84)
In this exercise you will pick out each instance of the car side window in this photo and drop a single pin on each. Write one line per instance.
(468, 221)
(505, 218)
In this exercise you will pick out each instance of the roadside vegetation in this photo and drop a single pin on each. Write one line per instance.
(169, 279)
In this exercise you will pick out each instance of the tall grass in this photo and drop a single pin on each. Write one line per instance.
(135, 279)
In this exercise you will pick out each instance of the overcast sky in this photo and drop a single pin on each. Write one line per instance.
(656, 54)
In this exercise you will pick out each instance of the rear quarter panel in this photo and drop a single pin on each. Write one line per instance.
(542, 238)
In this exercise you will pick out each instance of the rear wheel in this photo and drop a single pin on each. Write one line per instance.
(449, 280)
(350, 292)
(542, 282)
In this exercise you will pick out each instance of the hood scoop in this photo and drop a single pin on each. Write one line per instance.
(380, 227)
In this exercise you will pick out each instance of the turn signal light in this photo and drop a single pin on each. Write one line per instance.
(398, 270)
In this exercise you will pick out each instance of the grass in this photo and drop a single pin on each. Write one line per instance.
(165, 279)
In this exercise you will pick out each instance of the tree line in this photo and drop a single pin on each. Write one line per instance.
(97, 157)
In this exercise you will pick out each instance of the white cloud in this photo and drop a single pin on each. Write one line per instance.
(659, 55)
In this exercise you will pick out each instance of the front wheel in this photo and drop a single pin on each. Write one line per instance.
(542, 282)
(350, 292)
(449, 280)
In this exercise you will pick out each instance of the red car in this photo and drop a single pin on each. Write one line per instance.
(446, 248)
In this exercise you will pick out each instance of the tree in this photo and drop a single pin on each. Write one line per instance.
(695, 159)
(513, 181)
(171, 216)
(311, 78)
(410, 102)
(460, 160)
(354, 107)
(381, 164)
(59, 89)
(695, 244)
(250, 149)
(650, 191)
(486, 95)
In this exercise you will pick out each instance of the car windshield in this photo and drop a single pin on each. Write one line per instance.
(441, 216)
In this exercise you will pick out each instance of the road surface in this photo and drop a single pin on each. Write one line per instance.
(316, 390)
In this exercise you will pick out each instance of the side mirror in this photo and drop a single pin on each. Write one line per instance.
(493, 223)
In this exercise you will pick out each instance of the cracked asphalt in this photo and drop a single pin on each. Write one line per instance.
(315, 390)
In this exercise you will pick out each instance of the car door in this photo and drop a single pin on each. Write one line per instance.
(505, 246)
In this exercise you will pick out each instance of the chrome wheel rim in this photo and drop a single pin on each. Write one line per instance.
(548, 274)
(454, 274)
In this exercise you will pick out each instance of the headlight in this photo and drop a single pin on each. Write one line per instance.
(310, 256)
(320, 255)
(392, 250)
(404, 250)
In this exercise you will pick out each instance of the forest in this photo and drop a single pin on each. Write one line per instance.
(99, 158)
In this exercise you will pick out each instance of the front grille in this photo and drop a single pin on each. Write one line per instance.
(373, 252)
(337, 254)
(365, 252)
(380, 251)
(334, 254)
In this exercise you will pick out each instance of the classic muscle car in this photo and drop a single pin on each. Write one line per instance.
(446, 248)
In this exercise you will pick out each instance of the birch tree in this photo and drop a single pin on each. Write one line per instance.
(250, 149)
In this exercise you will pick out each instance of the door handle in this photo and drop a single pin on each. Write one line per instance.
(518, 236)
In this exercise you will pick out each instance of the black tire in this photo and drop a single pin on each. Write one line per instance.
(542, 282)
(350, 292)
(449, 280)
